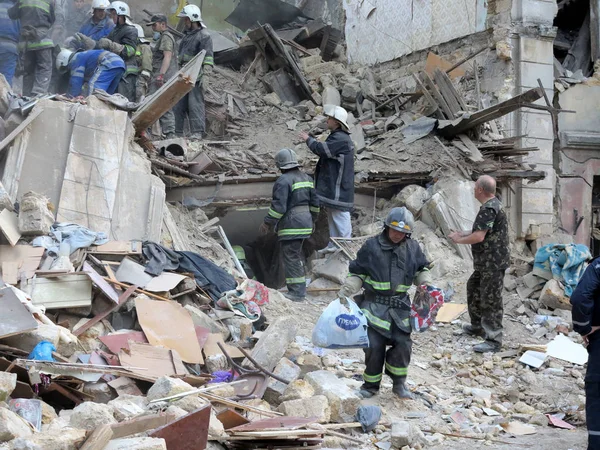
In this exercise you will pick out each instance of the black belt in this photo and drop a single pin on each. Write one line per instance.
(393, 301)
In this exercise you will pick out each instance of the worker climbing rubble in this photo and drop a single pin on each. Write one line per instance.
(386, 266)
(293, 210)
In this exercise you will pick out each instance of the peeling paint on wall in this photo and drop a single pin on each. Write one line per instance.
(383, 30)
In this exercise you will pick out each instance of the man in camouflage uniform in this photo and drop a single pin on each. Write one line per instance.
(491, 257)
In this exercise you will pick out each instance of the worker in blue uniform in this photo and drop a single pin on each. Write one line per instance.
(9, 39)
(100, 69)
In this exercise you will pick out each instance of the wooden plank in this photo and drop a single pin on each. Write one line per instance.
(61, 291)
(10, 272)
(119, 247)
(98, 439)
(27, 257)
(11, 137)
(169, 325)
(230, 419)
(437, 62)
(9, 225)
(156, 105)
(16, 319)
(450, 311)
(187, 433)
(447, 93)
(141, 291)
(275, 424)
(102, 284)
(158, 361)
(430, 100)
(140, 425)
(474, 153)
(438, 96)
(491, 113)
(179, 243)
(122, 299)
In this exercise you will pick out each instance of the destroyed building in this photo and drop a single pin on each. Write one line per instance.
(439, 92)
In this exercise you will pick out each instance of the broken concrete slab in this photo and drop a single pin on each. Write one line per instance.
(553, 296)
(533, 281)
(191, 403)
(334, 268)
(331, 96)
(127, 406)
(413, 197)
(401, 434)
(296, 390)
(27, 341)
(12, 426)
(35, 217)
(166, 386)
(285, 369)
(8, 383)
(317, 407)
(137, 443)
(89, 415)
(272, 345)
(63, 439)
(342, 400)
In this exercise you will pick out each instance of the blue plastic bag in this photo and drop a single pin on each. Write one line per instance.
(43, 351)
(341, 326)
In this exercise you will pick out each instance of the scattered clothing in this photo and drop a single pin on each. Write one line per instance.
(425, 306)
(75, 236)
(563, 262)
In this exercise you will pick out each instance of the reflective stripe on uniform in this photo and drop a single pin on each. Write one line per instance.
(594, 433)
(298, 280)
(362, 277)
(294, 231)
(129, 50)
(378, 285)
(398, 371)
(314, 209)
(44, 43)
(209, 61)
(581, 324)
(275, 214)
(303, 184)
(384, 324)
(402, 288)
(372, 378)
(40, 4)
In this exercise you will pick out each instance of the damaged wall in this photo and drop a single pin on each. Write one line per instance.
(383, 30)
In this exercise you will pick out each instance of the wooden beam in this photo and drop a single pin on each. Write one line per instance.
(98, 439)
(140, 425)
(11, 137)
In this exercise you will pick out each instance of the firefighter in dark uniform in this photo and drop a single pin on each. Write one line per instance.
(294, 208)
(195, 40)
(37, 18)
(586, 322)
(386, 266)
(491, 257)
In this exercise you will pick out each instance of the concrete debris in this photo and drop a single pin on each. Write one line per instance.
(272, 345)
(413, 197)
(12, 426)
(334, 268)
(35, 217)
(8, 383)
(89, 415)
(5, 200)
(138, 443)
(287, 370)
(342, 400)
(100, 392)
(166, 386)
(48, 413)
(127, 406)
(317, 407)
(192, 403)
(215, 427)
(297, 390)
(65, 439)
(27, 341)
(553, 296)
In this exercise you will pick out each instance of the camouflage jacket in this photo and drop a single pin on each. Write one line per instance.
(494, 252)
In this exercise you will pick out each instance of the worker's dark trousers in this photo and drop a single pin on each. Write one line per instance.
(293, 259)
(167, 120)
(192, 107)
(484, 299)
(37, 66)
(127, 86)
(592, 392)
(395, 360)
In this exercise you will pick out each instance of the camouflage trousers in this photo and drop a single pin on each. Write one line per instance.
(484, 299)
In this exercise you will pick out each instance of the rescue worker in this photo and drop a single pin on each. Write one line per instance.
(122, 41)
(586, 322)
(100, 24)
(143, 56)
(164, 66)
(386, 266)
(37, 18)
(491, 257)
(195, 40)
(9, 39)
(293, 210)
(334, 175)
(100, 69)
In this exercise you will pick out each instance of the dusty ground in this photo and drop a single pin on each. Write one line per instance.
(443, 369)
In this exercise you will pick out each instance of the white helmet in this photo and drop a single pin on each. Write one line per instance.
(100, 4)
(338, 113)
(62, 60)
(140, 32)
(192, 12)
(121, 8)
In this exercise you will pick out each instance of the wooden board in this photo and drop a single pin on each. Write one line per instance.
(187, 433)
(211, 347)
(28, 258)
(140, 425)
(159, 362)
(449, 312)
(230, 419)
(169, 325)
(437, 62)
(274, 424)
(9, 226)
(98, 439)
(102, 284)
(118, 341)
(68, 291)
(118, 247)
(16, 319)
(10, 272)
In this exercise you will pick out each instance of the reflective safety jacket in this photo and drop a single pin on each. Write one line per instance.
(84, 64)
(192, 43)
(388, 271)
(36, 17)
(334, 175)
(143, 58)
(293, 206)
(127, 36)
(97, 30)
(10, 30)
